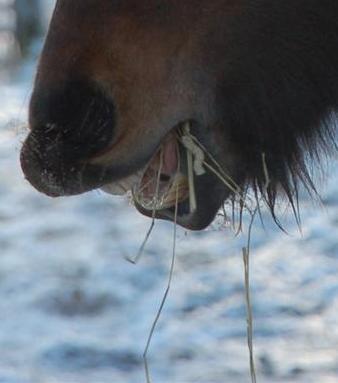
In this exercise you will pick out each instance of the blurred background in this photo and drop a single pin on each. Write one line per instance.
(72, 309)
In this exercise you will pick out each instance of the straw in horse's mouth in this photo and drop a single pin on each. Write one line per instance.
(161, 182)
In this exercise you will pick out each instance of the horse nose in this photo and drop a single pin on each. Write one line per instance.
(76, 117)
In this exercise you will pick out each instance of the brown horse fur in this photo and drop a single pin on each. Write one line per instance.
(252, 76)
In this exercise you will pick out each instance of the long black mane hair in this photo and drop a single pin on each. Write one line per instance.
(280, 96)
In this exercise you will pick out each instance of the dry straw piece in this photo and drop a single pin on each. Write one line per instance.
(159, 312)
(165, 196)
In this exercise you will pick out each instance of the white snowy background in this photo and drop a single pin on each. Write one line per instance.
(73, 310)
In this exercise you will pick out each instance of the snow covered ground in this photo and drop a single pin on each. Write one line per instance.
(73, 310)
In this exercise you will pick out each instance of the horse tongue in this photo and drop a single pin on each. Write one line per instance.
(170, 161)
(149, 178)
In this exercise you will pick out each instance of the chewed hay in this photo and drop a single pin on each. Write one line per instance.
(182, 182)
(165, 194)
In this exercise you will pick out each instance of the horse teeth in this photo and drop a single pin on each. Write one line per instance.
(114, 188)
(123, 186)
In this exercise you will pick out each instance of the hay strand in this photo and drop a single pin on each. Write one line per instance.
(159, 312)
(139, 254)
(246, 260)
(191, 143)
(192, 194)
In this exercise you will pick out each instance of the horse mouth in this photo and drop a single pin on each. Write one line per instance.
(162, 184)
(174, 184)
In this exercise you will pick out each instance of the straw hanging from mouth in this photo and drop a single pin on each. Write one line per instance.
(153, 215)
(192, 195)
(196, 151)
(201, 164)
(195, 159)
(164, 299)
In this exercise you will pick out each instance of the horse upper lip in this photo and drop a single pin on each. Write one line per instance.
(52, 174)
(103, 154)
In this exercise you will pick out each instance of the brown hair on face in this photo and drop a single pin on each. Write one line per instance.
(116, 77)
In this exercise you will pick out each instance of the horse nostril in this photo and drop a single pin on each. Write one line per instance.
(77, 117)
